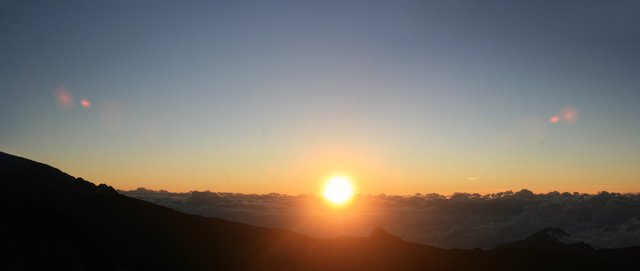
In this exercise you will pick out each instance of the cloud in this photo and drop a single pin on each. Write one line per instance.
(462, 220)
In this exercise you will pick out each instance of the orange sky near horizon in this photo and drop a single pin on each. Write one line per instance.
(369, 175)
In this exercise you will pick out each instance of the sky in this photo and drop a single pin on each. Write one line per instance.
(402, 96)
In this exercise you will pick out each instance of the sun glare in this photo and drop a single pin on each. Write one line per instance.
(338, 190)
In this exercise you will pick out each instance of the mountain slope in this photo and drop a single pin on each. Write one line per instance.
(52, 220)
(551, 239)
(55, 219)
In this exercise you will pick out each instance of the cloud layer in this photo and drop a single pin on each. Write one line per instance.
(604, 220)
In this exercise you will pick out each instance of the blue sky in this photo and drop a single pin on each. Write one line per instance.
(272, 96)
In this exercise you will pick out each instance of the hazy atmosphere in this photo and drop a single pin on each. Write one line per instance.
(403, 97)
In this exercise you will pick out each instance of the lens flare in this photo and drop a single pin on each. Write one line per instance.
(554, 119)
(63, 98)
(85, 103)
(570, 114)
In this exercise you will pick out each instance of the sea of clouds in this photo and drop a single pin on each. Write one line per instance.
(462, 220)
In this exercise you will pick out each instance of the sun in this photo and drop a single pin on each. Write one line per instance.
(338, 190)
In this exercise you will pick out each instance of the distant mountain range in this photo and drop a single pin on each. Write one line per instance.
(51, 220)
(551, 239)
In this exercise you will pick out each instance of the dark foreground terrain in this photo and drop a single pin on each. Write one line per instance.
(51, 220)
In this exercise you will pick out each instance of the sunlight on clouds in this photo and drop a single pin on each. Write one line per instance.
(460, 220)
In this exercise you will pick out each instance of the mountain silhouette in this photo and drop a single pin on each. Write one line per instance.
(551, 238)
(380, 234)
(51, 220)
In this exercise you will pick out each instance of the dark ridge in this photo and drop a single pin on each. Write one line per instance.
(52, 220)
(378, 233)
(551, 238)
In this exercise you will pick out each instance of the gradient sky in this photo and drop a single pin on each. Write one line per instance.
(271, 96)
